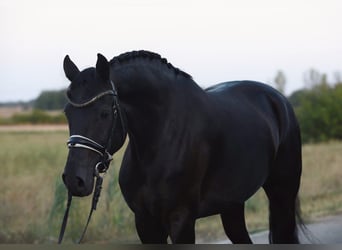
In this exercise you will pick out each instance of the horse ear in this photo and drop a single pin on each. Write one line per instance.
(102, 67)
(70, 69)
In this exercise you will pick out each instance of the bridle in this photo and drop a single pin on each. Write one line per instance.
(80, 141)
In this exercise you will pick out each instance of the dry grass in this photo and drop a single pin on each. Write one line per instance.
(29, 165)
(31, 211)
(321, 190)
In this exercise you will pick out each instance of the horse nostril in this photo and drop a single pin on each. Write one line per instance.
(80, 182)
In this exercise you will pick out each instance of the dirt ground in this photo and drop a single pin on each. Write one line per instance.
(324, 231)
(7, 112)
(33, 128)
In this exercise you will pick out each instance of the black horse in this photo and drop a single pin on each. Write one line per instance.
(192, 153)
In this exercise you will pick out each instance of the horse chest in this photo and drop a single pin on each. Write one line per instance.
(144, 198)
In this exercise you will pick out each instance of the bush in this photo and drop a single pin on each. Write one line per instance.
(319, 112)
(35, 117)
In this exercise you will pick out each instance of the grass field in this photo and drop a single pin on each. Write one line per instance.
(32, 200)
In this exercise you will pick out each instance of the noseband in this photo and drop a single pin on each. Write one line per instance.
(80, 141)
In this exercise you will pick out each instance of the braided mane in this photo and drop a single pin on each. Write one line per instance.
(128, 56)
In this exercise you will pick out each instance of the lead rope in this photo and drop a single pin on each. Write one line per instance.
(96, 196)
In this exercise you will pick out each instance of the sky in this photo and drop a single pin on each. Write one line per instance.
(213, 40)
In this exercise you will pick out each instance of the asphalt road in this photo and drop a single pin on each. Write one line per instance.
(324, 231)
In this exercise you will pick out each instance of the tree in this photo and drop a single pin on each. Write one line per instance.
(312, 78)
(338, 77)
(51, 100)
(280, 81)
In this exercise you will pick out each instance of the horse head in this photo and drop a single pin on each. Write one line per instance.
(95, 124)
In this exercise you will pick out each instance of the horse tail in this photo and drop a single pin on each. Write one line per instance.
(307, 235)
(300, 225)
(283, 182)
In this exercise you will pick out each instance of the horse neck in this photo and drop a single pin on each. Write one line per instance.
(155, 103)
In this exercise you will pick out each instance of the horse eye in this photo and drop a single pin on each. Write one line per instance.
(104, 114)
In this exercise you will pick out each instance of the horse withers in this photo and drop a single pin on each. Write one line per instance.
(192, 152)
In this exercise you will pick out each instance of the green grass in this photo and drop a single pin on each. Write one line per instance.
(33, 197)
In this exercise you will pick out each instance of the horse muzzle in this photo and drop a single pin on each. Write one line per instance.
(78, 175)
(78, 184)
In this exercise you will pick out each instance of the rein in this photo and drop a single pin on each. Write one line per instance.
(79, 141)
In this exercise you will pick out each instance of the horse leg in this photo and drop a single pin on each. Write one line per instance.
(150, 230)
(182, 226)
(233, 220)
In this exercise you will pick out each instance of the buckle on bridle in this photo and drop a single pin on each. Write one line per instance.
(102, 166)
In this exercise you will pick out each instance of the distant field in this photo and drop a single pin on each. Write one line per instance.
(6, 112)
(33, 196)
(33, 128)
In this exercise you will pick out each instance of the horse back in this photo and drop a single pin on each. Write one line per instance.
(251, 121)
(255, 103)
